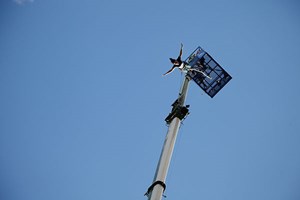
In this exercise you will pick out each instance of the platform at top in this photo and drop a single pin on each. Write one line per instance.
(216, 77)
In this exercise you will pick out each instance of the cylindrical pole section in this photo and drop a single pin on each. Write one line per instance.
(165, 158)
(157, 190)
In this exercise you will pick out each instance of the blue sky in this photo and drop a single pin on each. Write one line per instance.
(83, 100)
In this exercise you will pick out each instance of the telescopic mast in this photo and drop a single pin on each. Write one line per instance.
(179, 111)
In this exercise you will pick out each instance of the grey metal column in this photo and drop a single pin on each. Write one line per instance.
(155, 191)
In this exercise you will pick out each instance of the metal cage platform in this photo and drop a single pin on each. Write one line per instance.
(212, 77)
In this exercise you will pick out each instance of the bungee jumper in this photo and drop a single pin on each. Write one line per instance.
(177, 63)
(182, 65)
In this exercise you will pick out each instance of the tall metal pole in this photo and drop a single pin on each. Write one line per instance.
(179, 111)
(200, 68)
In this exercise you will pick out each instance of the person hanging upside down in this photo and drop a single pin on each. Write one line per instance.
(177, 63)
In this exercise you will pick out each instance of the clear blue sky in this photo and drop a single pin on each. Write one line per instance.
(83, 99)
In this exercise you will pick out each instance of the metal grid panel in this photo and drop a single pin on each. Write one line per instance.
(206, 72)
